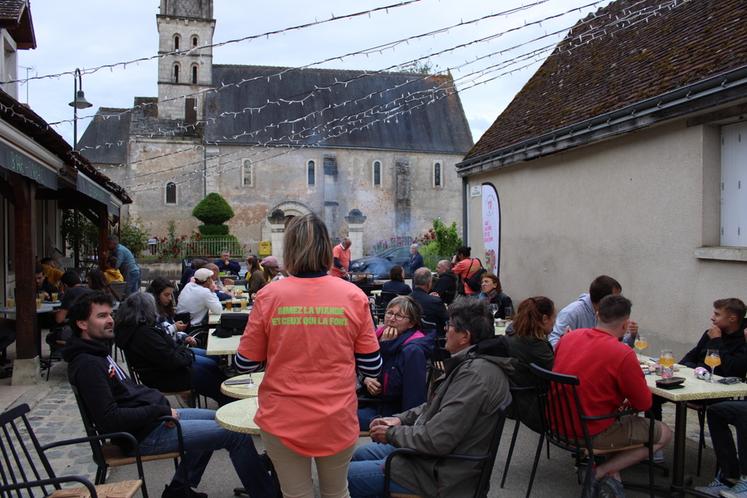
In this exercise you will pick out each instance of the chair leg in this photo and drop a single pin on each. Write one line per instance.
(510, 451)
(701, 441)
(176, 464)
(548, 448)
(536, 462)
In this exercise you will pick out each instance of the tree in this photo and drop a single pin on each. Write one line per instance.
(213, 211)
(133, 236)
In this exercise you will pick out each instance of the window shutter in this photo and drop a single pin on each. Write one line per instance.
(734, 185)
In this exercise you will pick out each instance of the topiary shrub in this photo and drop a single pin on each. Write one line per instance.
(213, 211)
(213, 230)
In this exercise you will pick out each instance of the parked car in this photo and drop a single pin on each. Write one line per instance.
(380, 264)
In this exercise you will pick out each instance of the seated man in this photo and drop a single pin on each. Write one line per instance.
(72, 289)
(198, 298)
(446, 284)
(42, 284)
(731, 466)
(51, 270)
(118, 404)
(433, 308)
(726, 336)
(581, 313)
(220, 288)
(227, 266)
(609, 375)
(459, 418)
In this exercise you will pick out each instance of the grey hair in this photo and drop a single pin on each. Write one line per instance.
(138, 309)
(408, 307)
(414, 246)
(422, 277)
(446, 263)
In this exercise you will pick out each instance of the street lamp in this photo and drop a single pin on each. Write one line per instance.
(79, 102)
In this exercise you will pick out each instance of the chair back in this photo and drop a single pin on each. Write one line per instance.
(486, 470)
(118, 290)
(564, 421)
(91, 430)
(20, 457)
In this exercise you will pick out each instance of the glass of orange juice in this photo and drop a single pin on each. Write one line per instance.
(640, 343)
(712, 359)
(666, 360)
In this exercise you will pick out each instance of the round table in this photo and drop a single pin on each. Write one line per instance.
(239, 416)
(242, 391)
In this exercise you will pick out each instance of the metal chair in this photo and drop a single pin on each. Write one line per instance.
(135, 373)
(25, 466)
(563, 416)
(486, 461)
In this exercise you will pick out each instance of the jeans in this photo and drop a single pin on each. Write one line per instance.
(202, 435)
(132, 282)
(720, 416)
(366, 472)
(207, 377)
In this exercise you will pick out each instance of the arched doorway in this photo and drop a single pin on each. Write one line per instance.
(291, 210)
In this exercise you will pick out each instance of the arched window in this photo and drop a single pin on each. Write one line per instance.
(438, 175)
(176, 73)
(311, 173)
(247, 173)
(194, 74)
(195, 40)
(171, 193)
(376, 173)
(177, 39)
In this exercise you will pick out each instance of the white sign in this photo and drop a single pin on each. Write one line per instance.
(475, 191)
(491, 229)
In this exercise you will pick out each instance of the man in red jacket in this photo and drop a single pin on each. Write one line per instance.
(610, 379)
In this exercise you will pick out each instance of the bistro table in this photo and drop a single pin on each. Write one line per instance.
(243, 391)
(693, 389)
(217, 346)
(239, 416)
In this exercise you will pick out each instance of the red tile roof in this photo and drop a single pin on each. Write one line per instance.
(663, 45)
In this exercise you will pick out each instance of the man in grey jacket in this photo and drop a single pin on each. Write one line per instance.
(460, 416)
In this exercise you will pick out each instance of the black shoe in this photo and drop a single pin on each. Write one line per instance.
(175, 491)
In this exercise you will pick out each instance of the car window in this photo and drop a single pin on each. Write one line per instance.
(402, 252)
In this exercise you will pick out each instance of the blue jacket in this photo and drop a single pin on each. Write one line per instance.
(403, 375)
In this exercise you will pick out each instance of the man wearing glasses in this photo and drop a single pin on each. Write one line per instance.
(460, 416)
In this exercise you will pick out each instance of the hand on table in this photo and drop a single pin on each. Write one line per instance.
(714, 332)
(379, 426)
(373, 386)
(389, 333)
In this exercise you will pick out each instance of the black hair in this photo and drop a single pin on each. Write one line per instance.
(603, 286)
(614, 308)
(81, 308)
(464, 251)
(156, 287)
(70, 278)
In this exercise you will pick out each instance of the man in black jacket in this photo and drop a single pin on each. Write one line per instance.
(446, 284)
(433, 308)
(118, 404)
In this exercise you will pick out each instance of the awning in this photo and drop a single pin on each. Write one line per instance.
(88, 187)
(17, 162)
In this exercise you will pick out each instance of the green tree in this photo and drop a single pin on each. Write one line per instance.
(213, 210)
(133, 236)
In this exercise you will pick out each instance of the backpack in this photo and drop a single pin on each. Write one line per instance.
(473, 281)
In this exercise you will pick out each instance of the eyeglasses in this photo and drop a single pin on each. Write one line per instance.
(396, 316)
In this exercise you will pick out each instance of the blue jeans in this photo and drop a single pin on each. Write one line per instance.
(207, 377)
(366, 472)
(202, 435)
(132, 282)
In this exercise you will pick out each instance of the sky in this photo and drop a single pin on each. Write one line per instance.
(90, 33)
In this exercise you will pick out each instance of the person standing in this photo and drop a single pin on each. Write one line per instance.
(464, 268)
(416, 259)
(341, 261)
(126, 264)
(312, 330)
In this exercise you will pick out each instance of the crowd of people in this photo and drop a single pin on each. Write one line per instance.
(433, 376)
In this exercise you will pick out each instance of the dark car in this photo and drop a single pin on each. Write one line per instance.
(380, 264)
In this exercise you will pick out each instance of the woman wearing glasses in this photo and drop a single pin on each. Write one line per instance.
(404, 350)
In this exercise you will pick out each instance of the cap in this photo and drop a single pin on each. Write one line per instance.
(271, 261)
(203, 274)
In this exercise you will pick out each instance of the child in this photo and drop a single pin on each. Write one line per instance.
(111, 272)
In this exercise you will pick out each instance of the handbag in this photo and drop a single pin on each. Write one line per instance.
(231, 324)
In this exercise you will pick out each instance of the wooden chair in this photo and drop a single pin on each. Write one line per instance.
(107, 454)
(486, 462)
(25, 466)
(563, 415)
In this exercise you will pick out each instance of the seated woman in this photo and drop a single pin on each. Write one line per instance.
(397, 283)
(160, 363)
(404, 351)
(532, 324)
(255, 277)
(492, 292)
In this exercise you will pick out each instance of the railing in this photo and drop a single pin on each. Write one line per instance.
(205, 247)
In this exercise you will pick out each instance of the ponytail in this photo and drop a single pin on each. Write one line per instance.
(528, 319)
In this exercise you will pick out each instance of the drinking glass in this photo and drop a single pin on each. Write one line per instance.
(509, 311)
(666, 360)
(493, 309)
(640, 343)
(712, 359)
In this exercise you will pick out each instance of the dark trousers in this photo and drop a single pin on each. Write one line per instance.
(720, 417)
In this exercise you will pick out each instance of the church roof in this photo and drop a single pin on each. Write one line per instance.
(15, 16)
(105, 139)
(636, 58)
(424, 112)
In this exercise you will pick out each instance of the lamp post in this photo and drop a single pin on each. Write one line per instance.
(79, 102)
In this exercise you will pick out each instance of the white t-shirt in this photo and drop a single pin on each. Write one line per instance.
(198, 300)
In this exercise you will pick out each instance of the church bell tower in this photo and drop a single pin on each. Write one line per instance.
(184, 69)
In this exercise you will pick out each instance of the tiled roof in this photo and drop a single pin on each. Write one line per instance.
(106, 141)
(662, 46)
(11, 10)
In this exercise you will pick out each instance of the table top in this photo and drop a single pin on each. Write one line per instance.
(219, 346)
(45, 308)
(694, 388)
(239, 416)
(243, 391)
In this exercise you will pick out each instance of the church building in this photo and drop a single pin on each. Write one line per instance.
(278, 142)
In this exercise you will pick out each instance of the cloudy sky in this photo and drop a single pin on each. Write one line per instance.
(91, 33)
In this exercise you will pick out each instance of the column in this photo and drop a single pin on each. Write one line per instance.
(355, 220)
(277, 232)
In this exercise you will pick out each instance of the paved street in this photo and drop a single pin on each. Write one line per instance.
(54, 416)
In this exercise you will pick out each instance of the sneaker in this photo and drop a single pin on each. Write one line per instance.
(658, 456)
(713, 489)
(609, 487)
(739, 490)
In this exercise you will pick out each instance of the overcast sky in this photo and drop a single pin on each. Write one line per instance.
(89, 33)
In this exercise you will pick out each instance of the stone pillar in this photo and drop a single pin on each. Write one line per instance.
(277, 232)
(355, 221)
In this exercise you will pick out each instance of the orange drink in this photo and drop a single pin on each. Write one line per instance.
(712, 361)
(641, 343)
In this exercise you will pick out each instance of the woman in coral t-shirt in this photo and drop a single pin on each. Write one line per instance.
(465, 267)
(311, 330)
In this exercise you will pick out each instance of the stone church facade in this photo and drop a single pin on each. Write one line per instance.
(278, 142)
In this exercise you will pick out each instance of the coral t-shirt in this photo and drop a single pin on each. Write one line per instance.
(308, 330)
(343, 256)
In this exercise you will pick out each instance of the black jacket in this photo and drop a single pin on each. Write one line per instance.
(113, 400)
(732, 350)
(159, 362)
(433, 308)
(524, 351)
(445, 286)
(396, 287)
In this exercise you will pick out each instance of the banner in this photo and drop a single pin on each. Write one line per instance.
(491, 228)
